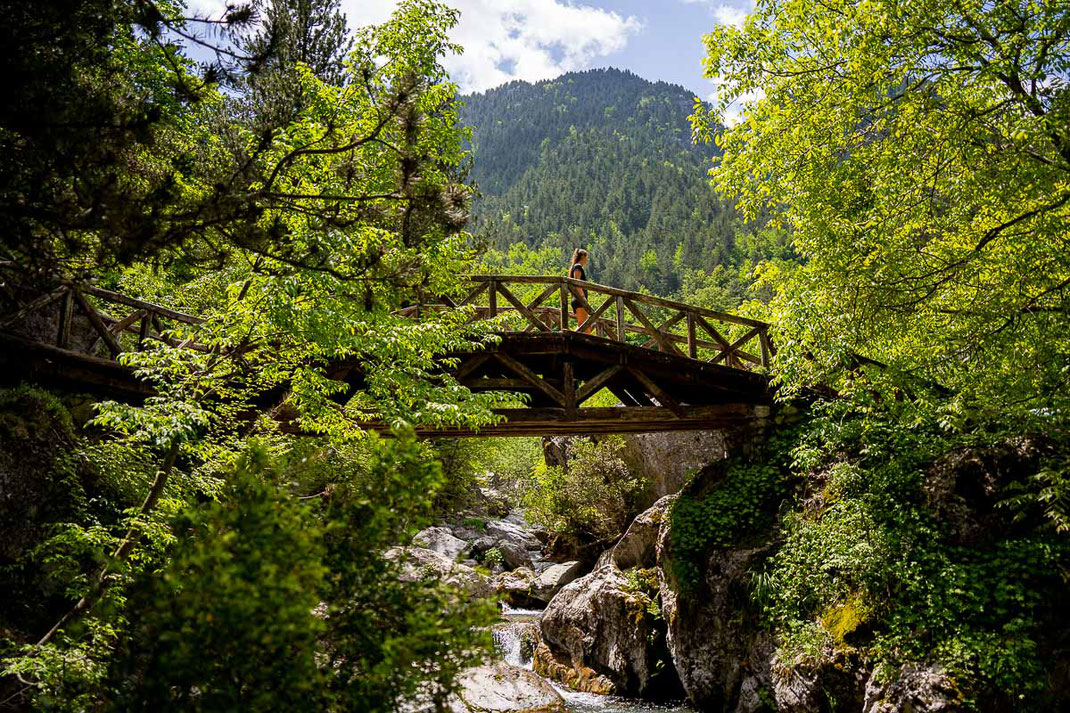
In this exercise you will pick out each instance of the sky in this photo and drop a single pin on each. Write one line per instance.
(541, 39)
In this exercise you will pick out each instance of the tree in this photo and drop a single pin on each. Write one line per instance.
(920, 154)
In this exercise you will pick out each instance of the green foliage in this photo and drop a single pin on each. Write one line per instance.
(230, 623)
(493, 557)
(469, 463)
(919, 155)
(866, 566)
(594, 497)
(741, 507)
(642, 583)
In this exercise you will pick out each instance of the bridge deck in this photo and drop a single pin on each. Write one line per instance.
(663, 376)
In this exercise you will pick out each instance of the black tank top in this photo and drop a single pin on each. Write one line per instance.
(582, 276)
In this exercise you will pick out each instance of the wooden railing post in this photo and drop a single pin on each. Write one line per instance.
(493, 290)
(564, 306)
(620, 319)
(692, 347)
(763, 341)
(66, 315)
(143, 333)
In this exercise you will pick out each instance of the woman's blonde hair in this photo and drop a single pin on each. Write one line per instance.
(577, 255)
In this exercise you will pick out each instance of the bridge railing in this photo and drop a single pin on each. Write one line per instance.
(94, 321)
(543, 304)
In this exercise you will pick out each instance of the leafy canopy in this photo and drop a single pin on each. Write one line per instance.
(920, 154)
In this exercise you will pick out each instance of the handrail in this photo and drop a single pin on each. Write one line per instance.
(632, 314)
(706, 335)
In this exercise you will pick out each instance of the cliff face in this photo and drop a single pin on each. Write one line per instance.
(716, 547)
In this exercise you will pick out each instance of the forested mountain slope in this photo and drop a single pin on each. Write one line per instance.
(601, 159)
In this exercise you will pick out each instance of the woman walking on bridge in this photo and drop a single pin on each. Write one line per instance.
(579, 295)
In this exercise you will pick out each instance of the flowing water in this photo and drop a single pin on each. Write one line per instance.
(514, 640)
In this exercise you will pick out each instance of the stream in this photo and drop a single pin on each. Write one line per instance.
(516, 648)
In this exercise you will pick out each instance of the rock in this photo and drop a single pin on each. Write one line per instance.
(721, 657)
(667, 460)
(518, 588)
(441, 540)
(556, 576)
(559, 667)
(836, 680)
(597, 628)
(525, 589)
(514, 554)
(509, 530)
(555, 450)
(638, 547)
(502, 688)
(495, 502)
(418, 563)
(920, 689)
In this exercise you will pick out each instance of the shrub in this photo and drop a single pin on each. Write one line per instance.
(594, 498)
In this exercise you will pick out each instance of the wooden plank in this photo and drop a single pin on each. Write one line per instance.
(140, 304)
(492, 291)
(143, 333)
(501, 384)
(34, 305)
(119, 326)
(665, 343)
(733, 348)
(98, 324)
(569, 389)
(657, 392)
(763, 339)
(593, 316)
(480, 289)
(66, 319)
(692, 343)
(594, 384)
(534, 304)
(667, 325)
(470, 365)
(534, 379)
(564, 308)
(522, 308)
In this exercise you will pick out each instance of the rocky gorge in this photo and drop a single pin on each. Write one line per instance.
(630, 630)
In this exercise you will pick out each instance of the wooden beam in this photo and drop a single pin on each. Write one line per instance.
(34, 305)
(653, 331)
(594, 384)
(692, 343)
(98, 324)
(522, 308)
(66, 319)
(593, 316)
(534, 379)
(657, 392)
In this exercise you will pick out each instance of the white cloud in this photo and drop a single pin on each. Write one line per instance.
(724, 13)
(734, 112)
(518, 39)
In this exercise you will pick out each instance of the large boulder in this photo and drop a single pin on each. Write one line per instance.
(502, 688)
(418, 563)
(920, 689)
(667, 460)
(721, 654)
(599, 627)
(526, 589)
(638, 547)
(441, 540)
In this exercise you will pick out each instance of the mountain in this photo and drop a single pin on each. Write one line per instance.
(601, 159)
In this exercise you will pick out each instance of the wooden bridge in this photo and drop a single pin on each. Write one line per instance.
(668, 366)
